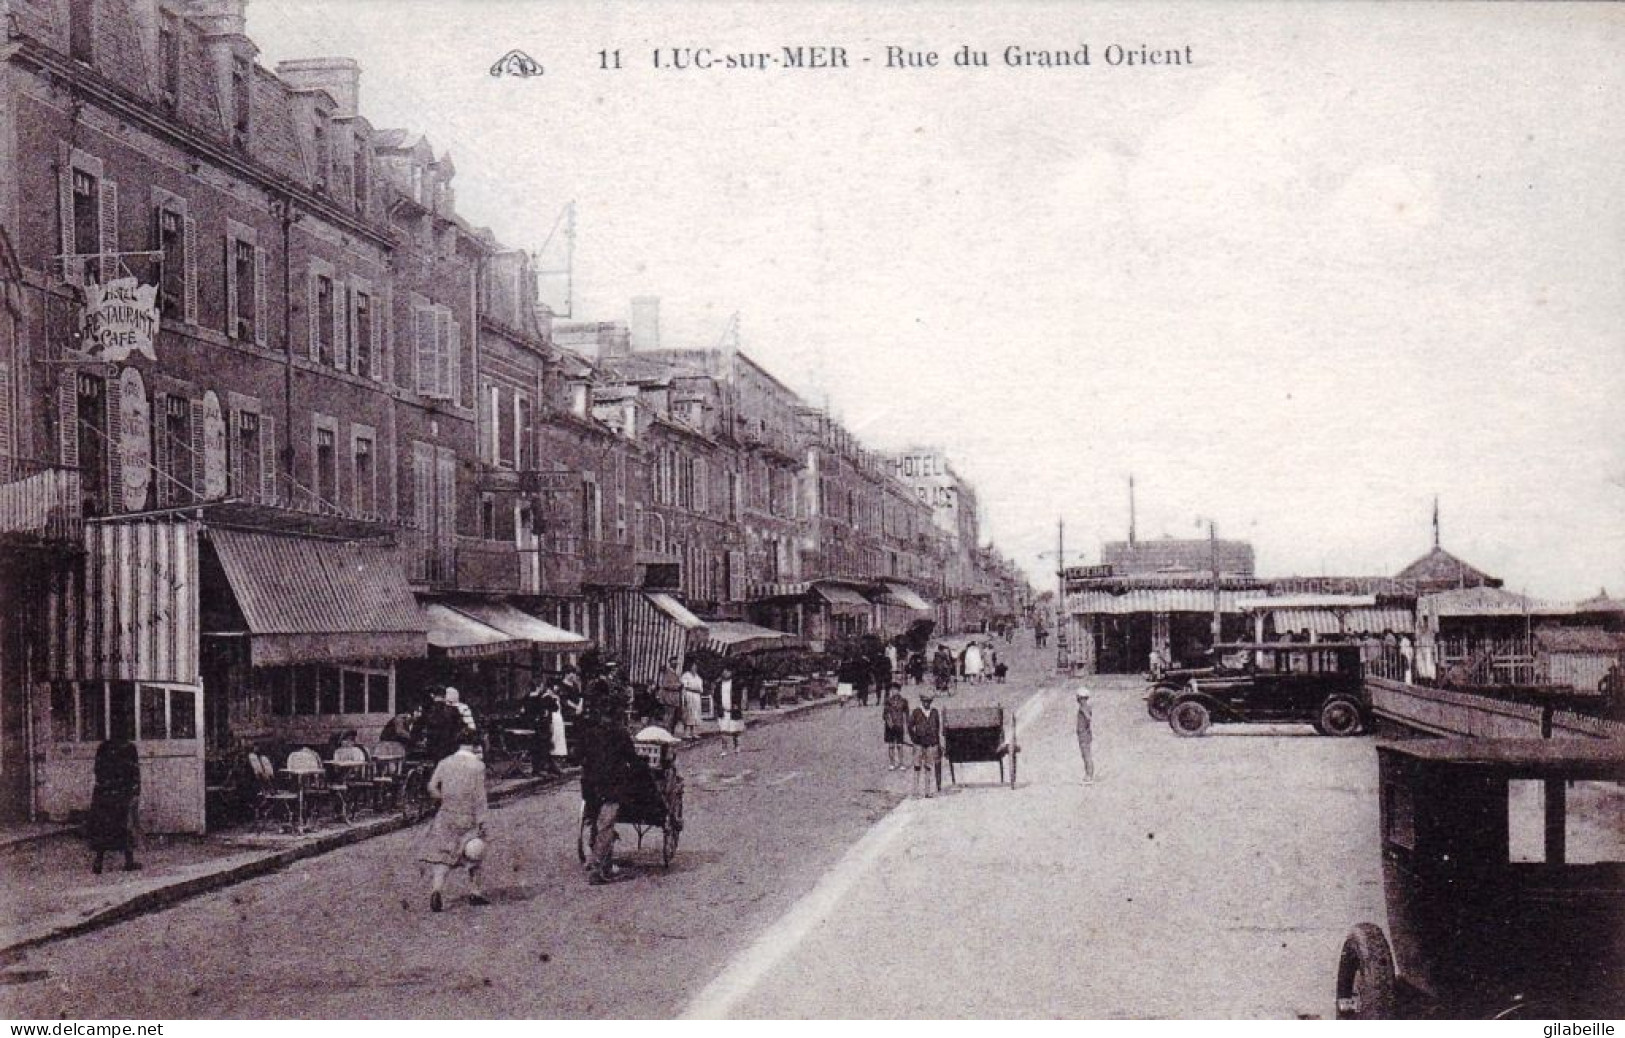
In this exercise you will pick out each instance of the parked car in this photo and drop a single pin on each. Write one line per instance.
(1320, 684)
(1498, 905)
(1165, 687)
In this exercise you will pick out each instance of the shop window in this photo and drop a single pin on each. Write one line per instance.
(304, 695)
(154, 712)
(280, 685)
(120, 709)
(354, 686)
(327, 690)
(311, 691)
(182, 713)
(378, 694)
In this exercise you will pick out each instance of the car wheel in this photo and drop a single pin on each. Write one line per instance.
(1340, 717)
(1365, 976)
(1190, 718)
(1158, 703)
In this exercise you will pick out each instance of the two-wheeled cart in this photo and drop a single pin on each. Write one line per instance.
(979, 735)
(658, 805)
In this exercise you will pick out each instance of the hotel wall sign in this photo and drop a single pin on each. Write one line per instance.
(214, 448)
(135, 439)
(120, 318)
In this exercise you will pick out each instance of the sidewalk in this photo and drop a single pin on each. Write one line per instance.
(50, 892)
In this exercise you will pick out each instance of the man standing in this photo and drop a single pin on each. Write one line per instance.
(457, 834)
(609, 768)
(669, 690)
(925, 732)
(1086, 733)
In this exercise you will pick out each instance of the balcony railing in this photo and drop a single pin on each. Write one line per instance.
(39, 502)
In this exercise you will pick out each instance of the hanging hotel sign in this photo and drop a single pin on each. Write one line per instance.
(134, 439)
(214, 448)
(120, 318)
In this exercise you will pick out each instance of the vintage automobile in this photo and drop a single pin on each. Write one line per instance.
(1159, 697)
(1318, 684)
(1503, 870)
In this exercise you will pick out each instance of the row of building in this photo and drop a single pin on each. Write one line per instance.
(1439, 620)
(284, 439)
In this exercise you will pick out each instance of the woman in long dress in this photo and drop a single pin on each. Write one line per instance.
(561, 747)
(973, 662)
(730, 709)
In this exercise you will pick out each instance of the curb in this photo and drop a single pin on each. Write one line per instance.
(171, 894)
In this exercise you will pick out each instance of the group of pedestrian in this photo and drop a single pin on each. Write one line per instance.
(919, 729)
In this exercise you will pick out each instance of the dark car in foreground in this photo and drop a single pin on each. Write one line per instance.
(1321, 685)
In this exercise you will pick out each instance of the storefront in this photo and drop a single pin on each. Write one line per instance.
(657, 628)
(123, 626)
(491, 651)
(897, 607)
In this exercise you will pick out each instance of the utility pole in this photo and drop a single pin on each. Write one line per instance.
(1213, 559)
(1062, 654)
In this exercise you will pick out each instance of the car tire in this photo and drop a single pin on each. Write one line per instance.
(1365, 976)
(1340, 717)
(1190, 718)
(1158, 703)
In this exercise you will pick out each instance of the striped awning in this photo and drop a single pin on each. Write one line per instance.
(903, 595)
(460, 636)
(521, 625)
(1344, 621)
(312, 601)
(128, 609)
(1150, 600)
(658, 627)
(734, 638)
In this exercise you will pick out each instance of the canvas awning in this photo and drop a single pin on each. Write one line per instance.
(905, 596)
(460, 636)
(312, 601)
(1344, 621)
(508, 619)
(778, 589)
(735, 638)
(841, 599)
(658, 627)
(676, 610)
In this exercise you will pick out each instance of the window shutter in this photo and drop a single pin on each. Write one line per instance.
(164, 477)
(65, 212)
(115, 456)
(341, 327)
(231, 288)
(446, 492)
(312, 294)
(194, 426)
(444, 334)
(189, 244)
(378, 316)
(67, 418)
(423, 491)
(487, 427)
(424, 334)
(108, 246)
(268, 468)
(260, 308)
(7, 437)
(234, 451)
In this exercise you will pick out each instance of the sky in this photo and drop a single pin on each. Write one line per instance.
(1350, 258)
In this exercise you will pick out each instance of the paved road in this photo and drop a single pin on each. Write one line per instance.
(1204, 878)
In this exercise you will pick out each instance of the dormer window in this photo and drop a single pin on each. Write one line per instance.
(241, 101)
(322, 150)
(81, 30)
(361, 173)
(169, 54)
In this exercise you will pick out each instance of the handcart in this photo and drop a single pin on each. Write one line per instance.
(657, 805)
(979, 735)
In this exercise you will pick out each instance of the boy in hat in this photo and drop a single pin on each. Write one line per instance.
(1086, 733)
(457, 834)
(925, 732)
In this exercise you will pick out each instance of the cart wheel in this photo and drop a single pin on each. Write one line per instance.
(1365, 976)
(1340, 716)
(1190, 718)
(586, 834)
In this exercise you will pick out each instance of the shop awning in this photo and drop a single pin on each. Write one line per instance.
(505, 617)
(313, 601)
(1344, 621)
(840, 597)
(460, 636)
(734, 638)
(905, 596)
(676, 610)
(778, 589)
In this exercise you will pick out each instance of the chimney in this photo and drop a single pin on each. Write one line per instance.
(340, 77)
(645, 323)
(614, 340)
(220, 17)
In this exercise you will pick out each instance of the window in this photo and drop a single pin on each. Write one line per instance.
(525, 429)
(361, 173)
(244, 272)
(81, 30)
(91, 429)
(169, 54)
(322, 328)
(488, 517)
(326, 473)
(507, 434)
(361, 334)
(175, 449)
(87, 222)
(172, 264)
(322, 151)
(366, 479)
(437, 337)
(87, 711)
(246, 465)
(241, 100)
